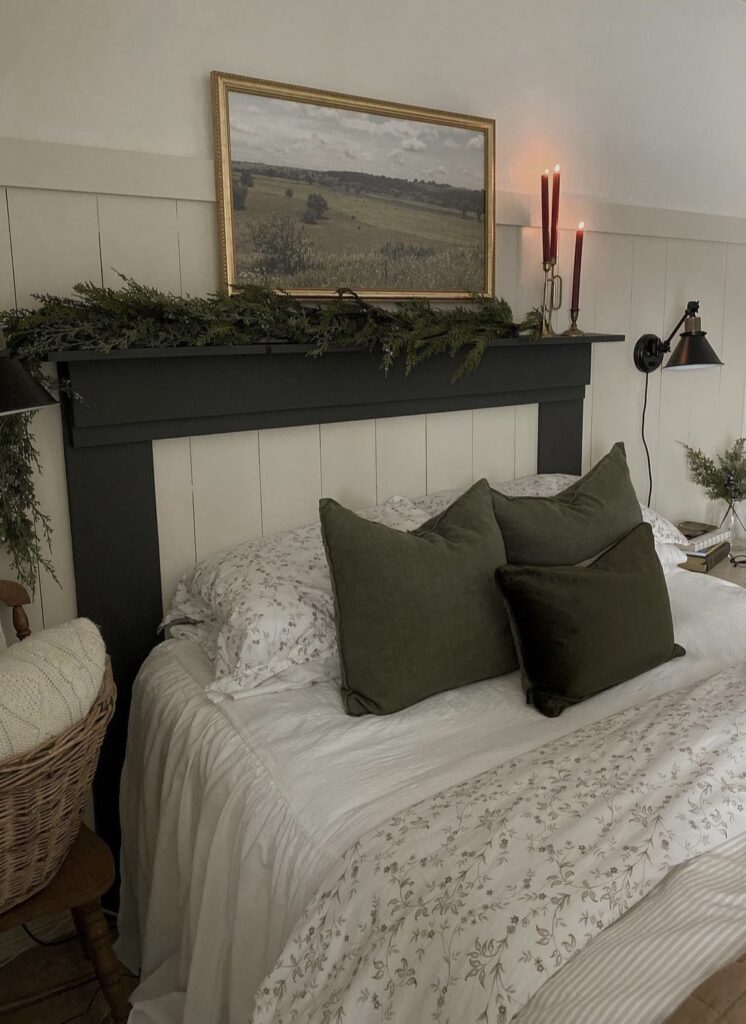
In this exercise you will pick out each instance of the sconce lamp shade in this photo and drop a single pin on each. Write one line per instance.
(693, 352)
(19, 392)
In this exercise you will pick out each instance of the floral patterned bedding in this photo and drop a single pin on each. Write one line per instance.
(459, 908)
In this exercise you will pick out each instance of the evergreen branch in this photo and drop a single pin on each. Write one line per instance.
(723, 478)
(138, 316)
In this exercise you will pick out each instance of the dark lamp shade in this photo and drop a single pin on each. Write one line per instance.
(693, 352)
(19, 392)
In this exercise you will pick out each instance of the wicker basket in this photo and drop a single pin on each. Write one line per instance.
(43, 796)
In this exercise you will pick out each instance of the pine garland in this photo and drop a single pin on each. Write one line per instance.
(136, 316)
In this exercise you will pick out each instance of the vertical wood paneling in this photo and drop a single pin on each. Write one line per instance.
(139, 238)
(526, 439)
(172, 469)
(7, 299)
(226, 489)
(198, 247)
(689, 399)
(55, 241)
(646, 316)
(494, 444)
(449, 451)
(612, 369)
(348, 462)
(54, 244)
(733, 351)
(530, 276)
(7, 288)
(586, 320)
(733, 378)
(506, 265)
(216, 491)
(291, 477)
(401, 446)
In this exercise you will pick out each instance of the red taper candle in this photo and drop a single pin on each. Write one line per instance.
(555, 212)
(575, 303)
(545, 216)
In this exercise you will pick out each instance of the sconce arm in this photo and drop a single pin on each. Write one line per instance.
(650, 350)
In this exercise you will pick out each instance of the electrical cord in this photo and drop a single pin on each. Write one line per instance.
(645, 443)
(49, 942)
(84, 1013)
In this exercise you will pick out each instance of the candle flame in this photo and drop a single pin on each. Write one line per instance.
(546, 171)
(556, 168)
(581, 225)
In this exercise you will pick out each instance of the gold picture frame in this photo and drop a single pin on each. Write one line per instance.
(380, 234)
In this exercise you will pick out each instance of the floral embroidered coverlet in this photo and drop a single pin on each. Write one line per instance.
(458, 909)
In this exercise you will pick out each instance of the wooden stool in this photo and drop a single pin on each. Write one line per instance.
(85, 875)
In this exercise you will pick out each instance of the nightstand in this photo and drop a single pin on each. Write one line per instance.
(733, 573)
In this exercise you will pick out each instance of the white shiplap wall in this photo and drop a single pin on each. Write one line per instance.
(215, 491)
(640, 268)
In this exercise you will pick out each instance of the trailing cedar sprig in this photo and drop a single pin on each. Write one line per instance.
(415, 329)
(25, 531)
(136, 316)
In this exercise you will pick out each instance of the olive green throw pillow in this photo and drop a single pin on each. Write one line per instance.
(580, 630)
(417, 613)
(574, 525)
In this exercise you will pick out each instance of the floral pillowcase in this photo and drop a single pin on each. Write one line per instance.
(546, 485)
(540, 485)
(264, 611)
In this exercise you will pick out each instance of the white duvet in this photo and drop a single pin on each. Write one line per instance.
(232, 814)
(460, 907)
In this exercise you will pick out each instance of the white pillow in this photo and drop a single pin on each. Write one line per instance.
(669, 555)
(47, 684)
(664, 530)
(267, 610)
(539, 485)
(204, 634)
(546, 485)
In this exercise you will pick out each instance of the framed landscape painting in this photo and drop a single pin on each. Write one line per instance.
(319, 191)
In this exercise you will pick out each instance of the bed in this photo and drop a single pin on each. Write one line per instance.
(240, 818)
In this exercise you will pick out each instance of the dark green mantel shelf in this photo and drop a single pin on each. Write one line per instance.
(273, 347)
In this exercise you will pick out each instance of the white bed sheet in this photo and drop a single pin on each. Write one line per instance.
(233, 812)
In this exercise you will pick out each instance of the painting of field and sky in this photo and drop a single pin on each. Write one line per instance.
(325, 197)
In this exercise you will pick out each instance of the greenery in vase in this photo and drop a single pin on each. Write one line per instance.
(724, 477)
(136, 316)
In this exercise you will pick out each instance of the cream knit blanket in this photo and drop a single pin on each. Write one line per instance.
(48, 683)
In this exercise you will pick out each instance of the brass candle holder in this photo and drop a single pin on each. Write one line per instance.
(573, 331)
(552, 299)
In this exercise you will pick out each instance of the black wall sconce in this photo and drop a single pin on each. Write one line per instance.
(19, 392)
(692, 352)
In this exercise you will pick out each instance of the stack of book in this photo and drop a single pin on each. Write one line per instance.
(708, 545)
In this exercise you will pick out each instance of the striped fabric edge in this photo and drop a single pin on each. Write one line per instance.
(639, 970)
